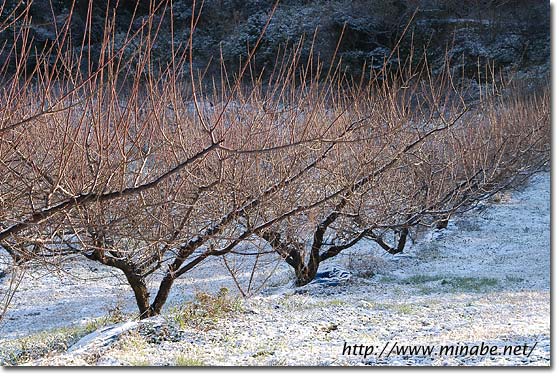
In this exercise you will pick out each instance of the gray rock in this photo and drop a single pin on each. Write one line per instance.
(102, 337)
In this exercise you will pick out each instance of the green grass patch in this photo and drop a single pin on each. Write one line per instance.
(140, 363)
(184, 361)
(421, 278)
(448, 283)
(405, 309)
(470, 283)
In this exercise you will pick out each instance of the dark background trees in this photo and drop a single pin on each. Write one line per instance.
(512, 34)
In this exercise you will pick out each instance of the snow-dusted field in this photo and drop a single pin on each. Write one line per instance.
(486, 278)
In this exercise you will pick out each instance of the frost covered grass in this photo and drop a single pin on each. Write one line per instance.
(445, 283)
(479, 285)
(25, 349)
(185, 361)
(54, 341)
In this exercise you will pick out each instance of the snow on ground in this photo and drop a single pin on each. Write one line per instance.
(486, 278)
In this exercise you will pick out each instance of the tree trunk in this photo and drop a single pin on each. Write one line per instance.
(141, 294)
(163, 293)
(294, 256)
(306, 273)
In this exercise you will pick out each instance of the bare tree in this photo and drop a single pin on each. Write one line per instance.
(72, 137)
(145, 169)
(479, 151)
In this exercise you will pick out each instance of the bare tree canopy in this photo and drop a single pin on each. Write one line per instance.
(150, 167)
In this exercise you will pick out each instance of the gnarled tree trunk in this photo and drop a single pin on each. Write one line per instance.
(305, 273)
(141, 293)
